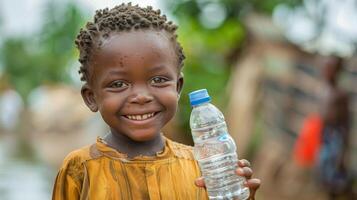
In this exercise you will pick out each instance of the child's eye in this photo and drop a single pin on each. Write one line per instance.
(118, 84)
(158, 79)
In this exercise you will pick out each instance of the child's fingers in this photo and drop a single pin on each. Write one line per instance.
(200, 182)
(244, 163)
(245, 171)
(253, 184)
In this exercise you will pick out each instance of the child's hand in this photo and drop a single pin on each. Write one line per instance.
(243, 170)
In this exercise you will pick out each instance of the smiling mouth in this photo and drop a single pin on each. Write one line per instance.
(141, 117)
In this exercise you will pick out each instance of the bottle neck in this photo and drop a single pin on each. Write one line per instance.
(200, 104)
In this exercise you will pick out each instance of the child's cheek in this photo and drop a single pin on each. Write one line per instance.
(110, 104)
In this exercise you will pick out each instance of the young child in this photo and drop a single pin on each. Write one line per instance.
(131, 67)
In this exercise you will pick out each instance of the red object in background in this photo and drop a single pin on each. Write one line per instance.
(307, 145)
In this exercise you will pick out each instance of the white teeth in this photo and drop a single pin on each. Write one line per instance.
(140, 117)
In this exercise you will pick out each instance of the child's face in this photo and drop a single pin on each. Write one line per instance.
(134, 83)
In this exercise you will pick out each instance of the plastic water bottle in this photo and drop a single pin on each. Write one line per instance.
(215, 149)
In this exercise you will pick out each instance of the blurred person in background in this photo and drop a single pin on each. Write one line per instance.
(332, 160)
(324, 138)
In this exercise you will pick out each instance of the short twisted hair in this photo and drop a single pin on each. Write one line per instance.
(121, 18)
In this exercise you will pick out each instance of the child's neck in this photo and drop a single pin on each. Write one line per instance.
(132, 148)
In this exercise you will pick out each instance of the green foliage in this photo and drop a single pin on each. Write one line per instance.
(1, 24)
(206, 65)
(209, 50)
(234, 8)
(268, 6)
(32, 60)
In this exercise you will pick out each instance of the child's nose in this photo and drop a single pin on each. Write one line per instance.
(141, 97)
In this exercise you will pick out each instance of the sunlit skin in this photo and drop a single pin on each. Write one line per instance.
(134, 82)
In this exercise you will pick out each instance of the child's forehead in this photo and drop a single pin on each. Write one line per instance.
(137, 37)
(136, 48)
(138, 42)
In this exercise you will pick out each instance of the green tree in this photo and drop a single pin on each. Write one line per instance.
(211, 49)
(32, 60)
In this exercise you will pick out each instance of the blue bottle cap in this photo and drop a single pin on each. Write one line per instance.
(198, 97)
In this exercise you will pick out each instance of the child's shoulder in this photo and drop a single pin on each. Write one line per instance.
(73, 165)
(181, 150)
(79, 156)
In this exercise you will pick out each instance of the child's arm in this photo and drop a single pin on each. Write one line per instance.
(243, 170)
(65, 188)
(69, 180)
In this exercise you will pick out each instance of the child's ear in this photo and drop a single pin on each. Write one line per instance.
(88, 97)
(179, 84)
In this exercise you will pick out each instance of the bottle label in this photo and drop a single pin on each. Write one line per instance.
(223, 137)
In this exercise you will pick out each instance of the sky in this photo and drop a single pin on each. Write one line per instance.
(23, 16)
(338, 36)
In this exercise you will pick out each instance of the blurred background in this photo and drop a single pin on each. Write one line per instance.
(269, 65)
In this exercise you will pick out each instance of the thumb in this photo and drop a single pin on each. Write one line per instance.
(199, 182)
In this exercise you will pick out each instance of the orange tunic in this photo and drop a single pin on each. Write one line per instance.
(99, 172)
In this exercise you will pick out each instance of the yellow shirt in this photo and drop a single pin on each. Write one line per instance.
(99, 172)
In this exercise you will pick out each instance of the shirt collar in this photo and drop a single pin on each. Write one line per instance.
(108, 151)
